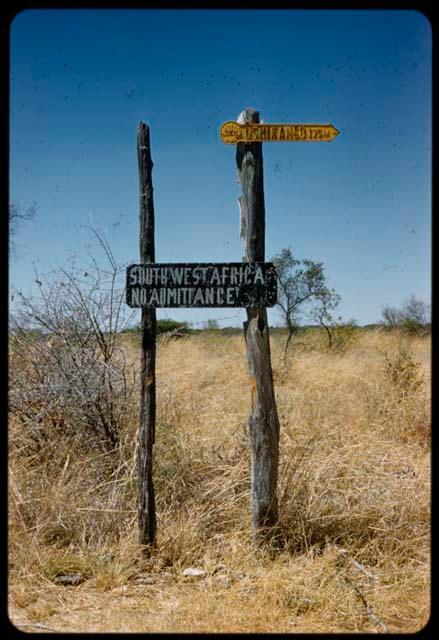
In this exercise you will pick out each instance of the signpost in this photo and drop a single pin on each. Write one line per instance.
(231, 284)
(251, 284)
(248, 134)
(235, 132)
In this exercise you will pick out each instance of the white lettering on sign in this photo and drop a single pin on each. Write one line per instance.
(214, 278)
(165, 276)
(198, 298)
(209, 296)
(201, 285)
(258, 276)
(183, 296)
(135, 297)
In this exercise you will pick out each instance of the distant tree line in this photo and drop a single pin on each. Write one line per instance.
(303, 294)
(414, 315)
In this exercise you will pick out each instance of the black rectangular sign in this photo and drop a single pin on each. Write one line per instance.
(231, 284)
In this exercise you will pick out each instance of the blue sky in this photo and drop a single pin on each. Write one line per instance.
(81, 80)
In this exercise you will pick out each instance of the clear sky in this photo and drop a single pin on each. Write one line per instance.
(81, 80)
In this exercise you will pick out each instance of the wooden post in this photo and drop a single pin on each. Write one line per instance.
(263, 421)
(145, 439)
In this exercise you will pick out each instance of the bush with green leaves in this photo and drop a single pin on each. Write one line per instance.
(167, 324)
(300, 283)
(344, 335)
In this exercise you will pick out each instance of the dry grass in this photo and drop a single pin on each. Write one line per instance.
(354, 493)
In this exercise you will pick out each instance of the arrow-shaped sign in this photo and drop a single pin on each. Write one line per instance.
(233, 132)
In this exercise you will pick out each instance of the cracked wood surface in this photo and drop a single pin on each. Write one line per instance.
(263, 421)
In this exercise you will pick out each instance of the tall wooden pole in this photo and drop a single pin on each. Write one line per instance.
(145, 440)
(263, 421)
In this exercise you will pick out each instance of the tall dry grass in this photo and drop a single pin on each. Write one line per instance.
(354, 492)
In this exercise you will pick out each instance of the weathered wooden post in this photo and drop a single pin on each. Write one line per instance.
(251, 284)
(145, 439)
(263, 421)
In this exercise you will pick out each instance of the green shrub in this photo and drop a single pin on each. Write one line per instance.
(163, 326)
(344, 334)
(166, 325)
(413, 327)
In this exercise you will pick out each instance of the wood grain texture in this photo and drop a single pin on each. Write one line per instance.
(263, 421)
(148, 327)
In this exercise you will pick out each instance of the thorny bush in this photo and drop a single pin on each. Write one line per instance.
(67, 372)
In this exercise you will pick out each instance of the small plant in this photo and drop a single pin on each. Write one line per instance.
(344, 334)
(167, 324)
(402, 371)
(413, 328)
(211, 325)
(413, 317)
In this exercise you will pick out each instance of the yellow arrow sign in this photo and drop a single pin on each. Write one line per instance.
(233, 132)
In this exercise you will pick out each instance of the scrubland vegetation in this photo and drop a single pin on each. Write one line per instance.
(354, 489)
